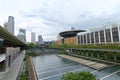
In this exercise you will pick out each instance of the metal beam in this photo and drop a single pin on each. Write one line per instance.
(10, 38)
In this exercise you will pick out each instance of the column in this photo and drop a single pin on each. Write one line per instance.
(105, 55)
(80, 39)
(115, 58)
(98, 55)
(111, 34)
(82, 53)
(90, 37)
(91, 54)
(86, 39)
(99, 36)
(77, 40)
(83, 38)
(104, 36)
(71, 51)
(94, 38)
(86, 54)
(119, 32)
(78, 52)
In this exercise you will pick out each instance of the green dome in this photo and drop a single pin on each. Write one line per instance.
(21, 34)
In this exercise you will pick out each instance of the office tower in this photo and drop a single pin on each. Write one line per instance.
(9, 26)
(33, 37)
(40, 39)
(22, 35)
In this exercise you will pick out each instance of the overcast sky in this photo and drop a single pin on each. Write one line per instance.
(49, 17)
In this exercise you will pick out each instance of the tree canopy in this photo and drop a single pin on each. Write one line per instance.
(31, 45)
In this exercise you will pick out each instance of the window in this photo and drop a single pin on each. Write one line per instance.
(96, 37)
(78, 39)
(81, 39)
(115, 34)
(108, 35)
(88, 38)
(102, 36)
(92, 37)
(84, 38)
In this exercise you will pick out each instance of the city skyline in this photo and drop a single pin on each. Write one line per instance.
(48, 18)
(60, 39)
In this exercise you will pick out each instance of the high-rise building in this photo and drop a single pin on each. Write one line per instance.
(9, 26)
(33, 37)
(40, 39)
(22, 35)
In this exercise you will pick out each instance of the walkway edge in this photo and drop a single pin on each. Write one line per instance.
(33, 71)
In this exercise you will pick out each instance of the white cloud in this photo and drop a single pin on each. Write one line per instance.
(49, 17)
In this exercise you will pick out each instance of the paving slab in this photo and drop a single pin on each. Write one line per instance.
(99, 66)
(89, 63)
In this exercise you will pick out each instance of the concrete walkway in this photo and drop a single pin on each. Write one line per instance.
(13, 71)
(89, 63)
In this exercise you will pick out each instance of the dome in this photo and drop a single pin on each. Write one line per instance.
(21, 34)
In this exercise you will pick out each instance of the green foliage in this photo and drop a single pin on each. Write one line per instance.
(98, 46)
(33, 53)
(78, 76)
(31, 50)
(31, 45)
(63, 51)
(24, 76)
(110, 56)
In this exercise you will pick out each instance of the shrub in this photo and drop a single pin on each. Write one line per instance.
(78, 76)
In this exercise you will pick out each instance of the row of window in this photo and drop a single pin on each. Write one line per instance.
(102, 36)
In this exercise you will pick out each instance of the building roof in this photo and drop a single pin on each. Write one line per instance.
(9, 38)
(70, 33)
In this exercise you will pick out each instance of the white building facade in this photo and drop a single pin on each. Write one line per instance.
(32, 37)
(104, 35)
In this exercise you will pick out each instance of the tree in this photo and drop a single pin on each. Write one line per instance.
(78, 76)
(31, 50)
(31, 45)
